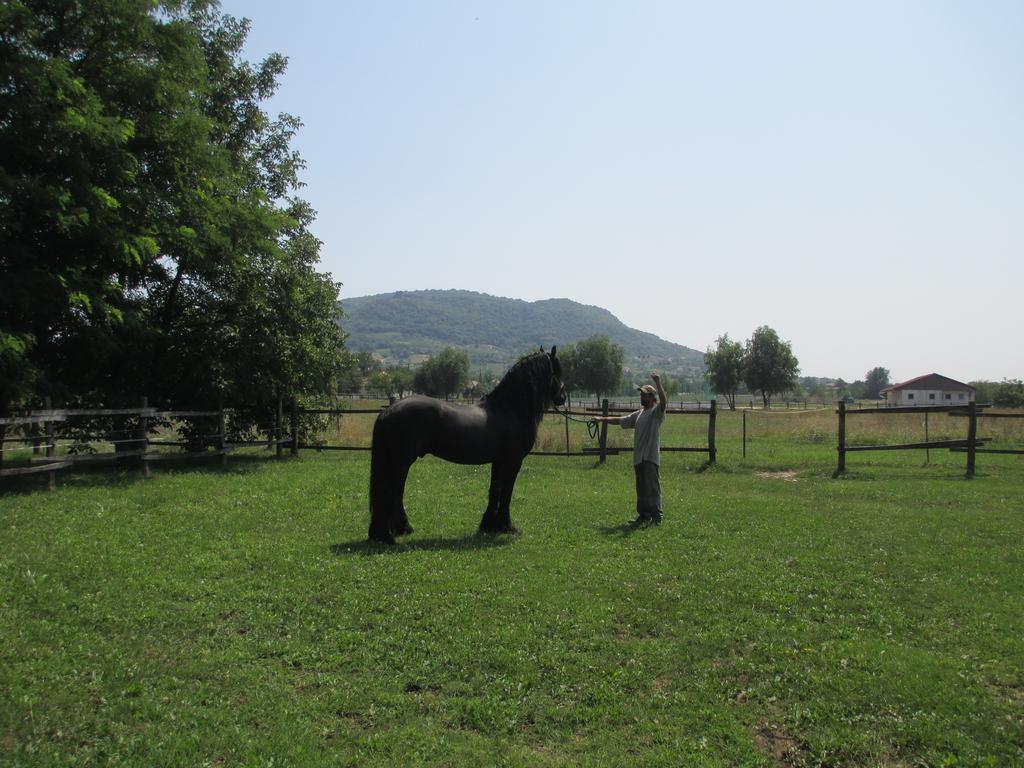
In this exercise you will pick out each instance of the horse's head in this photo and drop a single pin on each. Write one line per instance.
(531, 385)
(557, 388)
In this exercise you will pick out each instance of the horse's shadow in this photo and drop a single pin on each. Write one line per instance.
(434, 544)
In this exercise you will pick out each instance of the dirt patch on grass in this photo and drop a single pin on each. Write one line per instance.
(1009, 693)
(789, 475)
(784, 747)
(776, 742)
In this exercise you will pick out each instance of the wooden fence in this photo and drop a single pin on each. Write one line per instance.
(136, 444)
(130, 444)
(602, 451)
(711, 412)
(971, 444)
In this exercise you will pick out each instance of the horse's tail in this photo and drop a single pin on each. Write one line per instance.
(376, 463)
(379, 524)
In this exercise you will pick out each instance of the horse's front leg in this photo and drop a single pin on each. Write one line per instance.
(497, 518)
(491, 521)
(510, 472)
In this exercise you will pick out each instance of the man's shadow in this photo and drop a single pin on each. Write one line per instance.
(622, 529)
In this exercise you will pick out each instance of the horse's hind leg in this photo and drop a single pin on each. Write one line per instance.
(381, 496)
(380, 517)
(400, 518)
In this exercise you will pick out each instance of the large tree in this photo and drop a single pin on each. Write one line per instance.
(444, 374)
(770, 367)
(592, 365)
(724, 368)
(875, 381)
(150, 238)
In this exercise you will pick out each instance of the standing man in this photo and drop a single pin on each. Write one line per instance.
(646, 448)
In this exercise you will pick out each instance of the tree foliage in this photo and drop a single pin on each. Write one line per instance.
(1009, 394)
(724, 368)
(400, 378)
(770, 367)
(444, 374)
(592, 365)
(150, 238)
(875, 381)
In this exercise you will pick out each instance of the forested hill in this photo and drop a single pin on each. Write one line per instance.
(494, 331)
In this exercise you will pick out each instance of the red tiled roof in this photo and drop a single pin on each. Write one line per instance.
(930, 381)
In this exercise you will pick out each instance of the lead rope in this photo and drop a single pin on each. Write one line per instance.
(592, 425)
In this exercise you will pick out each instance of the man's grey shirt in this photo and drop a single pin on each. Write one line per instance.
(647, 440)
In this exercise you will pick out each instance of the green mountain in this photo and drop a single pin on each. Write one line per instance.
(494, 331)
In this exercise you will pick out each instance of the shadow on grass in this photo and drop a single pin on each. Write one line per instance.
(624, 529)
(111, 474)
(434, 544)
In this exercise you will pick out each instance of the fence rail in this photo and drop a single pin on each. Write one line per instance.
(135, 445)
(971, 445)
(51, 463)
(606, 409)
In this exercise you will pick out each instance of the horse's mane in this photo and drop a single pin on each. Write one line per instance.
(526, 386)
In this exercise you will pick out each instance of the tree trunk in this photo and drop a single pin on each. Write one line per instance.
(166, 320)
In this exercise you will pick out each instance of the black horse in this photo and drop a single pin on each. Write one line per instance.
(499, 430)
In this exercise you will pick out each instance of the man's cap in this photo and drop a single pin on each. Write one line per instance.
(648, 389)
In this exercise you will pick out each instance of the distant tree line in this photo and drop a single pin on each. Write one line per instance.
(1008, 393)
(763, 365)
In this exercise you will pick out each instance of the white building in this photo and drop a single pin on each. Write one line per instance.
(931, 389)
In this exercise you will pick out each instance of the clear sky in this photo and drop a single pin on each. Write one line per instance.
(851, 174)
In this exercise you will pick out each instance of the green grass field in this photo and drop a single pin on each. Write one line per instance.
(777, 617)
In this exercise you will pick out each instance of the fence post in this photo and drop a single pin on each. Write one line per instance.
(927, 451)
(143, 436)
(48, 431)
(712, 450)
(4, 413)
(842, 437)
(295, 427)
(972, 433)
(604, 430)
(567, 430)
(744, 433)
(221, 436)
(279, 425)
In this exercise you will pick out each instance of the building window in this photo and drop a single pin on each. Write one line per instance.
(960, 396)
(949, 396)
(910, 396)
(931, 395)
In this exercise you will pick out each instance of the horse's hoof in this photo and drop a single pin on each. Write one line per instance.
(381, 539)
(405, 531)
